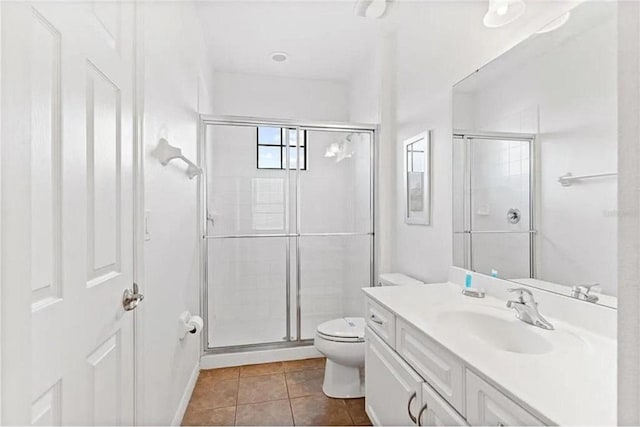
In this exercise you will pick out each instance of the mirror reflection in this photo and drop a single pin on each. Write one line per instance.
(535, 160)
(417, 182)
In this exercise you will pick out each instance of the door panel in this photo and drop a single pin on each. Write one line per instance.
(335, 189)
(71, 144)
(393, 389)
(333, 270)
(247, 291)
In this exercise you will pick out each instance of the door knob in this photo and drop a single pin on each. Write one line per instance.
(131, 298)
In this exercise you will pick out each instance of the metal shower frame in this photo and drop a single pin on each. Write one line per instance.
(299, 126)
(466, 136)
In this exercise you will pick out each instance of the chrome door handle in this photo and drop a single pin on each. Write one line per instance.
(413, 396)
(374, 319)
(424, 408)
(131, 298)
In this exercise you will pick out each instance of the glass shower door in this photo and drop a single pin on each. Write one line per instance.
(500, 223)
(247, 235)
(335, 227)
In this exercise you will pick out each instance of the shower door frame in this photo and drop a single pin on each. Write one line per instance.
(465, 137)
(299, 126)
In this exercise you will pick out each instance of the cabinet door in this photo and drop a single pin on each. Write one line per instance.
(393, 390)
(437, 365)
(486, 406)
(435, 411)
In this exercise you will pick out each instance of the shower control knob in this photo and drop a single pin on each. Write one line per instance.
(514, 215)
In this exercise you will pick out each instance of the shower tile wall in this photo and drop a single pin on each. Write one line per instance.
(500, 182)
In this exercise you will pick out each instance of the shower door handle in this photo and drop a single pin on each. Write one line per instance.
(211, 219)
(131, 298)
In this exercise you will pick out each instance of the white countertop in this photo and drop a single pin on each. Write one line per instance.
(574, 384)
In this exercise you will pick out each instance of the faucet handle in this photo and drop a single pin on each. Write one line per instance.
(521, 293)
(582, 292)
(585, 288)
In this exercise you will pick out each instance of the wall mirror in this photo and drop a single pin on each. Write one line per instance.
(535, 160)
(417, 179)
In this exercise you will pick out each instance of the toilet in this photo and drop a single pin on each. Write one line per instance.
(341, 341)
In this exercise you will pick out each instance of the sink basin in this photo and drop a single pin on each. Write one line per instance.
(507, 335)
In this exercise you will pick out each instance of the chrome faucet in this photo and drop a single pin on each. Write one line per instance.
(527, 310)
(581, 292)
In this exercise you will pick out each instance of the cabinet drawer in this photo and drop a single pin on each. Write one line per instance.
(436, 365)
(381, 321)
(435, 411)
(486, 406)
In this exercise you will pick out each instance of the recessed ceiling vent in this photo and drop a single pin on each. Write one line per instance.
(279, 56)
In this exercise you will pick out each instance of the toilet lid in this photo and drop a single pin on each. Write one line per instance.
(345, 327)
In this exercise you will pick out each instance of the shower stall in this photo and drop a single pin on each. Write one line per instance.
(493, 203)
(287, 227)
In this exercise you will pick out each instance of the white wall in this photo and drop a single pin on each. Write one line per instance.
(257, 95)
(174, 92)
(629, 208)
(425, 103)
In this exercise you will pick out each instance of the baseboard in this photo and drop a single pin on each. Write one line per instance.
(211, 361)
(186, 396)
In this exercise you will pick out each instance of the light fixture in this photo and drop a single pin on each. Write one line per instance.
(279, 56)
(340, 150)
(555, 24)
(370, 8)
(503, 12)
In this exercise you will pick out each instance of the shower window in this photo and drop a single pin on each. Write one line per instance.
(272, 148)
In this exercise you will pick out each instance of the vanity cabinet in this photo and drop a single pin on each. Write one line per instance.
(435, 411)
(444, 372)
(393, 388)
(487, 406)
(413, 380)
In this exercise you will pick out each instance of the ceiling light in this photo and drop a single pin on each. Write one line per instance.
(503, 12)
(370, 8)
(555, 24)
(279, 56)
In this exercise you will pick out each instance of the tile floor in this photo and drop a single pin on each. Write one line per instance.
(281, 393)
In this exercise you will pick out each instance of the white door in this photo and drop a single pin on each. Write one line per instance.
(393, 391)
(67, 216)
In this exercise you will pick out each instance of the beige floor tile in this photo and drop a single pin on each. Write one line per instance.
(262, 369)
(262, 388)
(304, 364)
(210, 417)
(210, 394)
(221, 373)
(320, 411)
(273, 413)
(357, 411)
(305, 383)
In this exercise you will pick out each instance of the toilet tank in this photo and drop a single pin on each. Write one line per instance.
(397, 279)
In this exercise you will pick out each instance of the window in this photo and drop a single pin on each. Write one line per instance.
(272, 150)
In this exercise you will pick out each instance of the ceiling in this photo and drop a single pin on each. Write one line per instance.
(325, 40)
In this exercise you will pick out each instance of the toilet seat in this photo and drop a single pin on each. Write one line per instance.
(346, 329)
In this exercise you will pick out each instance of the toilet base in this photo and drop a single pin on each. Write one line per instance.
(342, 382)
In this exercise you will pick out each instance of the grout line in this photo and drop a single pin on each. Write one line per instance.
(286, 383)
(235, 412)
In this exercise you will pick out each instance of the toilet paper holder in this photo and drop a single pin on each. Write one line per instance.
(189, 324)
